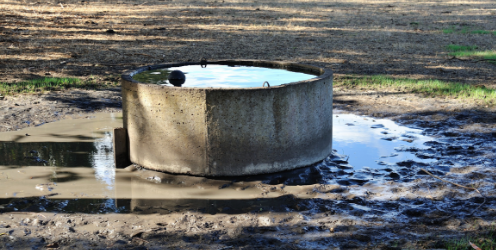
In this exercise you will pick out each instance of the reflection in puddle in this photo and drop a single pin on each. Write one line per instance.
(375, 143)
(68, 166)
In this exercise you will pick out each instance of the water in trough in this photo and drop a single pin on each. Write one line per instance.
(224, 76)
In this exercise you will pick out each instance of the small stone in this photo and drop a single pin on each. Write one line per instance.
(155, 179)
(131, 168)
(35, 222)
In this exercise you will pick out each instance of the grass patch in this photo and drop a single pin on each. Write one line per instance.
(480, 32)
(488, 54)
(470, 51)
(486, 240)
(50, 84)
(466, 30)
(452, 30)
(459, 48)
(434, 88)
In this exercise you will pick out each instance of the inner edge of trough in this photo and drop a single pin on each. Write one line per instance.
(320, 73)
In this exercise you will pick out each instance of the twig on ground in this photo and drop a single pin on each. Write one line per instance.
(140, 54)
(113, 50)
(456, 58)
(470, 60)
(486, 60)
(40, 215)
(458, 185)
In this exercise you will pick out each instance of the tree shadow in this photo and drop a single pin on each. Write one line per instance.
(60, 154)
(346, 223)
(88, 101)
(395, 40)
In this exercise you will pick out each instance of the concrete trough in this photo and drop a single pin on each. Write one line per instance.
(228, 131)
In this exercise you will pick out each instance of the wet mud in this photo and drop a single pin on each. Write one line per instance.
(60, 190)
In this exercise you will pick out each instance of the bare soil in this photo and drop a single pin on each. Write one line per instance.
(398, 38)
(101, 38)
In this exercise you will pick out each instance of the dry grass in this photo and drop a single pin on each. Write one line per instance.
(402, 38)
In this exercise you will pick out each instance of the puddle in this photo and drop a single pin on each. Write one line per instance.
(68, 166)
(223, 76)
(376, 143)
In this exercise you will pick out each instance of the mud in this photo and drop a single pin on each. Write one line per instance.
(333, 204)
(401, 39)
(22, 111)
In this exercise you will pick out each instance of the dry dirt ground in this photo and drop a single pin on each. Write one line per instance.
(399, 38)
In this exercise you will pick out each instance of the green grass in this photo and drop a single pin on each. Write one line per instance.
(452, 30)
(488, 54)
(434, 88)
(458, 48)
(480, 32)
(49, 84)
(466, 30)
(485, 241)
(470, 51)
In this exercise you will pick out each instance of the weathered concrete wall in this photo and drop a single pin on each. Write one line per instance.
(268, 130)
(166, 127)
(229, 132)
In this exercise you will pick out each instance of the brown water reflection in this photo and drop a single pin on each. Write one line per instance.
(68, 166)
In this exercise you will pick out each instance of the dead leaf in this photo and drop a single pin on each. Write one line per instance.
(53, 245)
(474, 246)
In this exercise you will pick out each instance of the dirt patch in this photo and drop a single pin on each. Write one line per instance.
(101, 38)
(411, 210)
(24, 111)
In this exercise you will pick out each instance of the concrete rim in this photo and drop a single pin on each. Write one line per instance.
(322, 73)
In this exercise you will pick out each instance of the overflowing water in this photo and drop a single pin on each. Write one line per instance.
(68, 166)
(224, 76)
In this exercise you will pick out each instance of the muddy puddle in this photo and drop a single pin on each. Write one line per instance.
(67, 166)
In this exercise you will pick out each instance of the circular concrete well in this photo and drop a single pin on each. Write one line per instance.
(229, 131)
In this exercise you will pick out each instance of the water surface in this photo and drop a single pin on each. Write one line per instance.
(375, 143)
(224, 76)
(68, 166)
